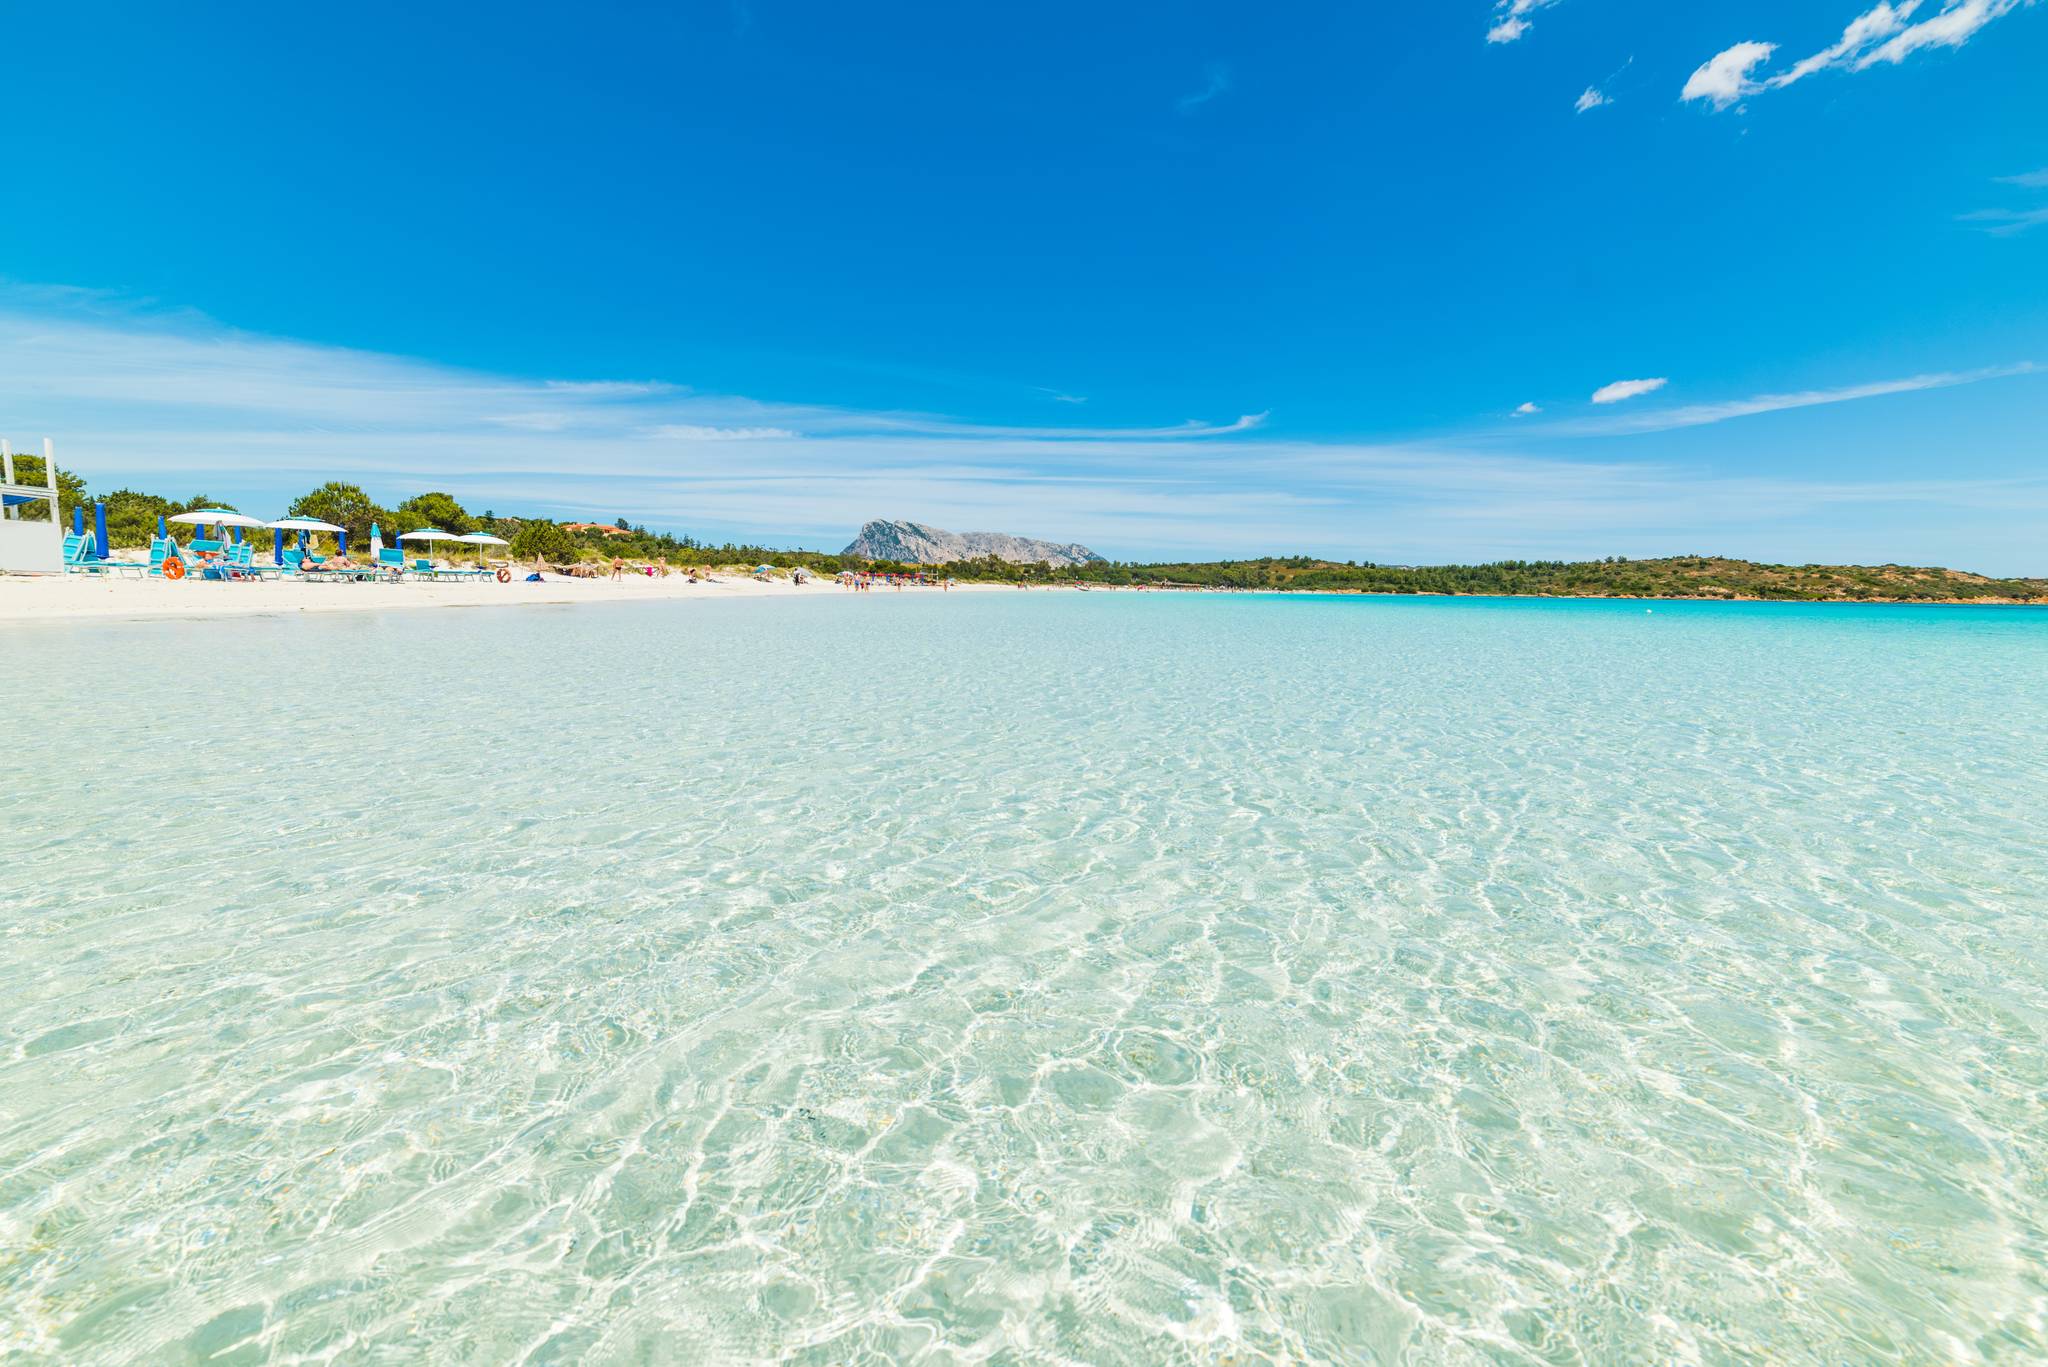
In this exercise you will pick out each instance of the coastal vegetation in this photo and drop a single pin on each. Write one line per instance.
(1683, 576)
(132, 516)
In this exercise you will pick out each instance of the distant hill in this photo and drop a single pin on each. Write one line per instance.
(914, 543)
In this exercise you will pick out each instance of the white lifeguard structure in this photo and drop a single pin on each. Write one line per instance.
(29, 547)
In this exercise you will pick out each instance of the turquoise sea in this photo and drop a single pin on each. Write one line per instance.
(1028, 978)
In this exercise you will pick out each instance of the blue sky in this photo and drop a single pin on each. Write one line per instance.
(1172, 279)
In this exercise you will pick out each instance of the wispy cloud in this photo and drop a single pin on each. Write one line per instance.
(2006, 222)
(1527, 410)
(1956, 23)
(1511, 19)
(1864, 32)
(1622, 390)
(180, 405)
(1881, 35)
(1595, 96)
(1699, 415)
(687, 431)
(1216, 80)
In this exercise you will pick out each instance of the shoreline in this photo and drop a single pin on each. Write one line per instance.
(72, 598)
(76, 598)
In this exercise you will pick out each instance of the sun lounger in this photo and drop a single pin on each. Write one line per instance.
(79, 559)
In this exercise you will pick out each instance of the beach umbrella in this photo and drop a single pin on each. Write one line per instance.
(376, 542)
(304, 526)
(77, 520)
(161, 530)
(481, 540)
(341, 542)
(428, 534)
(277, 545)
(217, 517)
(99, 530)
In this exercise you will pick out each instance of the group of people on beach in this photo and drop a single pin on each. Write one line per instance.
(865, 582)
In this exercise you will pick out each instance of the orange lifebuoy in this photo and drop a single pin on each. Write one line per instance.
(174, 569)
(504, 575)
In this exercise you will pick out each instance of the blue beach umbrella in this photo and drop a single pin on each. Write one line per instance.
(277, 545)
(341, 542)
(161, 530)
(77, 520)
(99, 530)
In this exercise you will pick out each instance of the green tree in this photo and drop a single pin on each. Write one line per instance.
(70, 491)
(433, 510)
(131, 516)
(540, 539)
(344, 505)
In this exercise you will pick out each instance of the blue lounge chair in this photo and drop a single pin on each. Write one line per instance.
(79, 559)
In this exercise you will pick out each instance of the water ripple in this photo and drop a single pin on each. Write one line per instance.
(1118, 980)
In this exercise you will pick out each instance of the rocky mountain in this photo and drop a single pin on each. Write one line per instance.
(915, 543)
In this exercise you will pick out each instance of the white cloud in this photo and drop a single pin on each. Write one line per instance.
(1880, 34)
(1864, 30)
(1528, 410)
(1699, 415)
(684, 431)
(2006, 222)
(182, 405)
(1627, 389)
(1511, 19)
(1955, 25)
(1592, 99)
(1725, 79)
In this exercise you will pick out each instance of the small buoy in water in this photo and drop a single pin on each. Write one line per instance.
(1648, 611)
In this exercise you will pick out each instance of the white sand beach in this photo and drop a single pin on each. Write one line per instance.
(73, 596)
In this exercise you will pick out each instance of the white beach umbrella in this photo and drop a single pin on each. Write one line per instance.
(428, 534)
(481, 540)
(303, 524)
(216, 517)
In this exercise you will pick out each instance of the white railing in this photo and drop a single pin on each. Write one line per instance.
(29, 547)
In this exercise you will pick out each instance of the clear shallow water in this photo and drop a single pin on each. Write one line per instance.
(1104, 979)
